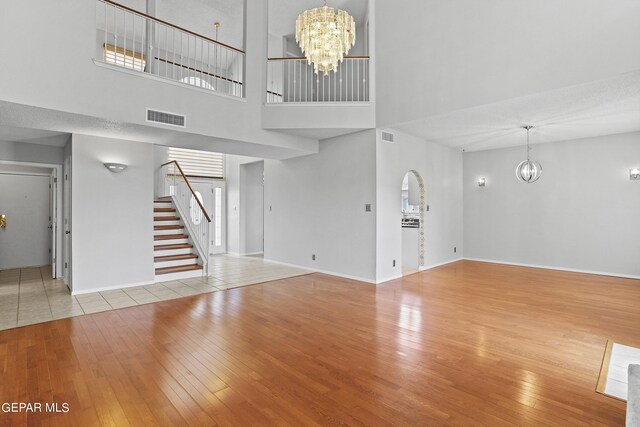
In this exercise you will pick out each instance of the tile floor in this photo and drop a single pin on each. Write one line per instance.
(29, 295)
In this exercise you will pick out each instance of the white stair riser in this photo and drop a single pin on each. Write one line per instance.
(165, 213)
(177, 276)
(166, 223)
(170, 242)
(173, 252)
(162, 264)
(172, 231)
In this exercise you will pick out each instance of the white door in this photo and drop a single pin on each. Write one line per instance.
(213, 197)
(24, 199)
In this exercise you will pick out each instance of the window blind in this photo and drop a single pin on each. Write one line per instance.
(197, 163)
(124, 57)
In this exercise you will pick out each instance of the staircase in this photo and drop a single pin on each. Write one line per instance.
(174, 255)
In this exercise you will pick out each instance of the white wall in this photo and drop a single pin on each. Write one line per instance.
(316, 205)
(581, 214)
(462, 53)
(33, 153)
(441, 170)
(25, 241)
(252, 208)
(112, 233)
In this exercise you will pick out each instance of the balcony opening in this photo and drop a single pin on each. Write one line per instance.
(166, 39)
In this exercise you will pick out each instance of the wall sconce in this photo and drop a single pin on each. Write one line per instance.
(634, 174)
(482, 182)
(115, 167)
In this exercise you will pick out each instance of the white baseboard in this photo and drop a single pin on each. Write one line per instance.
(388, 279)
(244, 254)
(110, 288)
(429, 267)
(331, 273)
(358, 278)
(547, 267)
(423, 268)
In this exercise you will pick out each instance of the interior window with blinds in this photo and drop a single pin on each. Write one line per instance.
(201, 164)
(124, 57)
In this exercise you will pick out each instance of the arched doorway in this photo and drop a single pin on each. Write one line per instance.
(412, 209)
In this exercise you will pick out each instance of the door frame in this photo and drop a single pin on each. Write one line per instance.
(57, 215)
(67, 223)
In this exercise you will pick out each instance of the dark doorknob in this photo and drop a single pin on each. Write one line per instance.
(67, 232)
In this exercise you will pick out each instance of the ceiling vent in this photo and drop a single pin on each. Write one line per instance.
(387, 136)
(166, 118)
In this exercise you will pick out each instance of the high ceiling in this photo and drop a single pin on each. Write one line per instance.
(603, 107)
(283, 13)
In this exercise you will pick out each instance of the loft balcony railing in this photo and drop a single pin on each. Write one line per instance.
(292, 80)
(136, 41)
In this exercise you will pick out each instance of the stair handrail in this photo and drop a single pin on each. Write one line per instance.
(193, 193)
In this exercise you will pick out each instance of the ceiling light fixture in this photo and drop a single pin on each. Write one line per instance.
(482, 182)
(634, 174)
(325, 36)
(529, 170)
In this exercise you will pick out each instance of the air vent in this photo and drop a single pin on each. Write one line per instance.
(387, 136)
(166, 118)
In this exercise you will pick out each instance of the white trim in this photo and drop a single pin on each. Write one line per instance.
(252, 253)
(546, 267)
(110, 288)
(388, 279)
(422, 268)
(331, 273)
(429, 267)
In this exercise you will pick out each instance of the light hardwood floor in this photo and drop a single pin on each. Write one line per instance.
(464, 344)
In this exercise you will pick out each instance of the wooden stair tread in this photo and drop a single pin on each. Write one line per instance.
(166, 218)
(178, 269)
(162, 201)
(175, 257)
(171, 247)
(168, 227)
(164, 210)
(170, 236)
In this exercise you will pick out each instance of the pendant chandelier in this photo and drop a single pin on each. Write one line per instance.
(325, 36)
(529, 170)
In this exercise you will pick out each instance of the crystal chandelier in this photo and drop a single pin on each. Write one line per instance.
(529, 170)
(325, 35)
